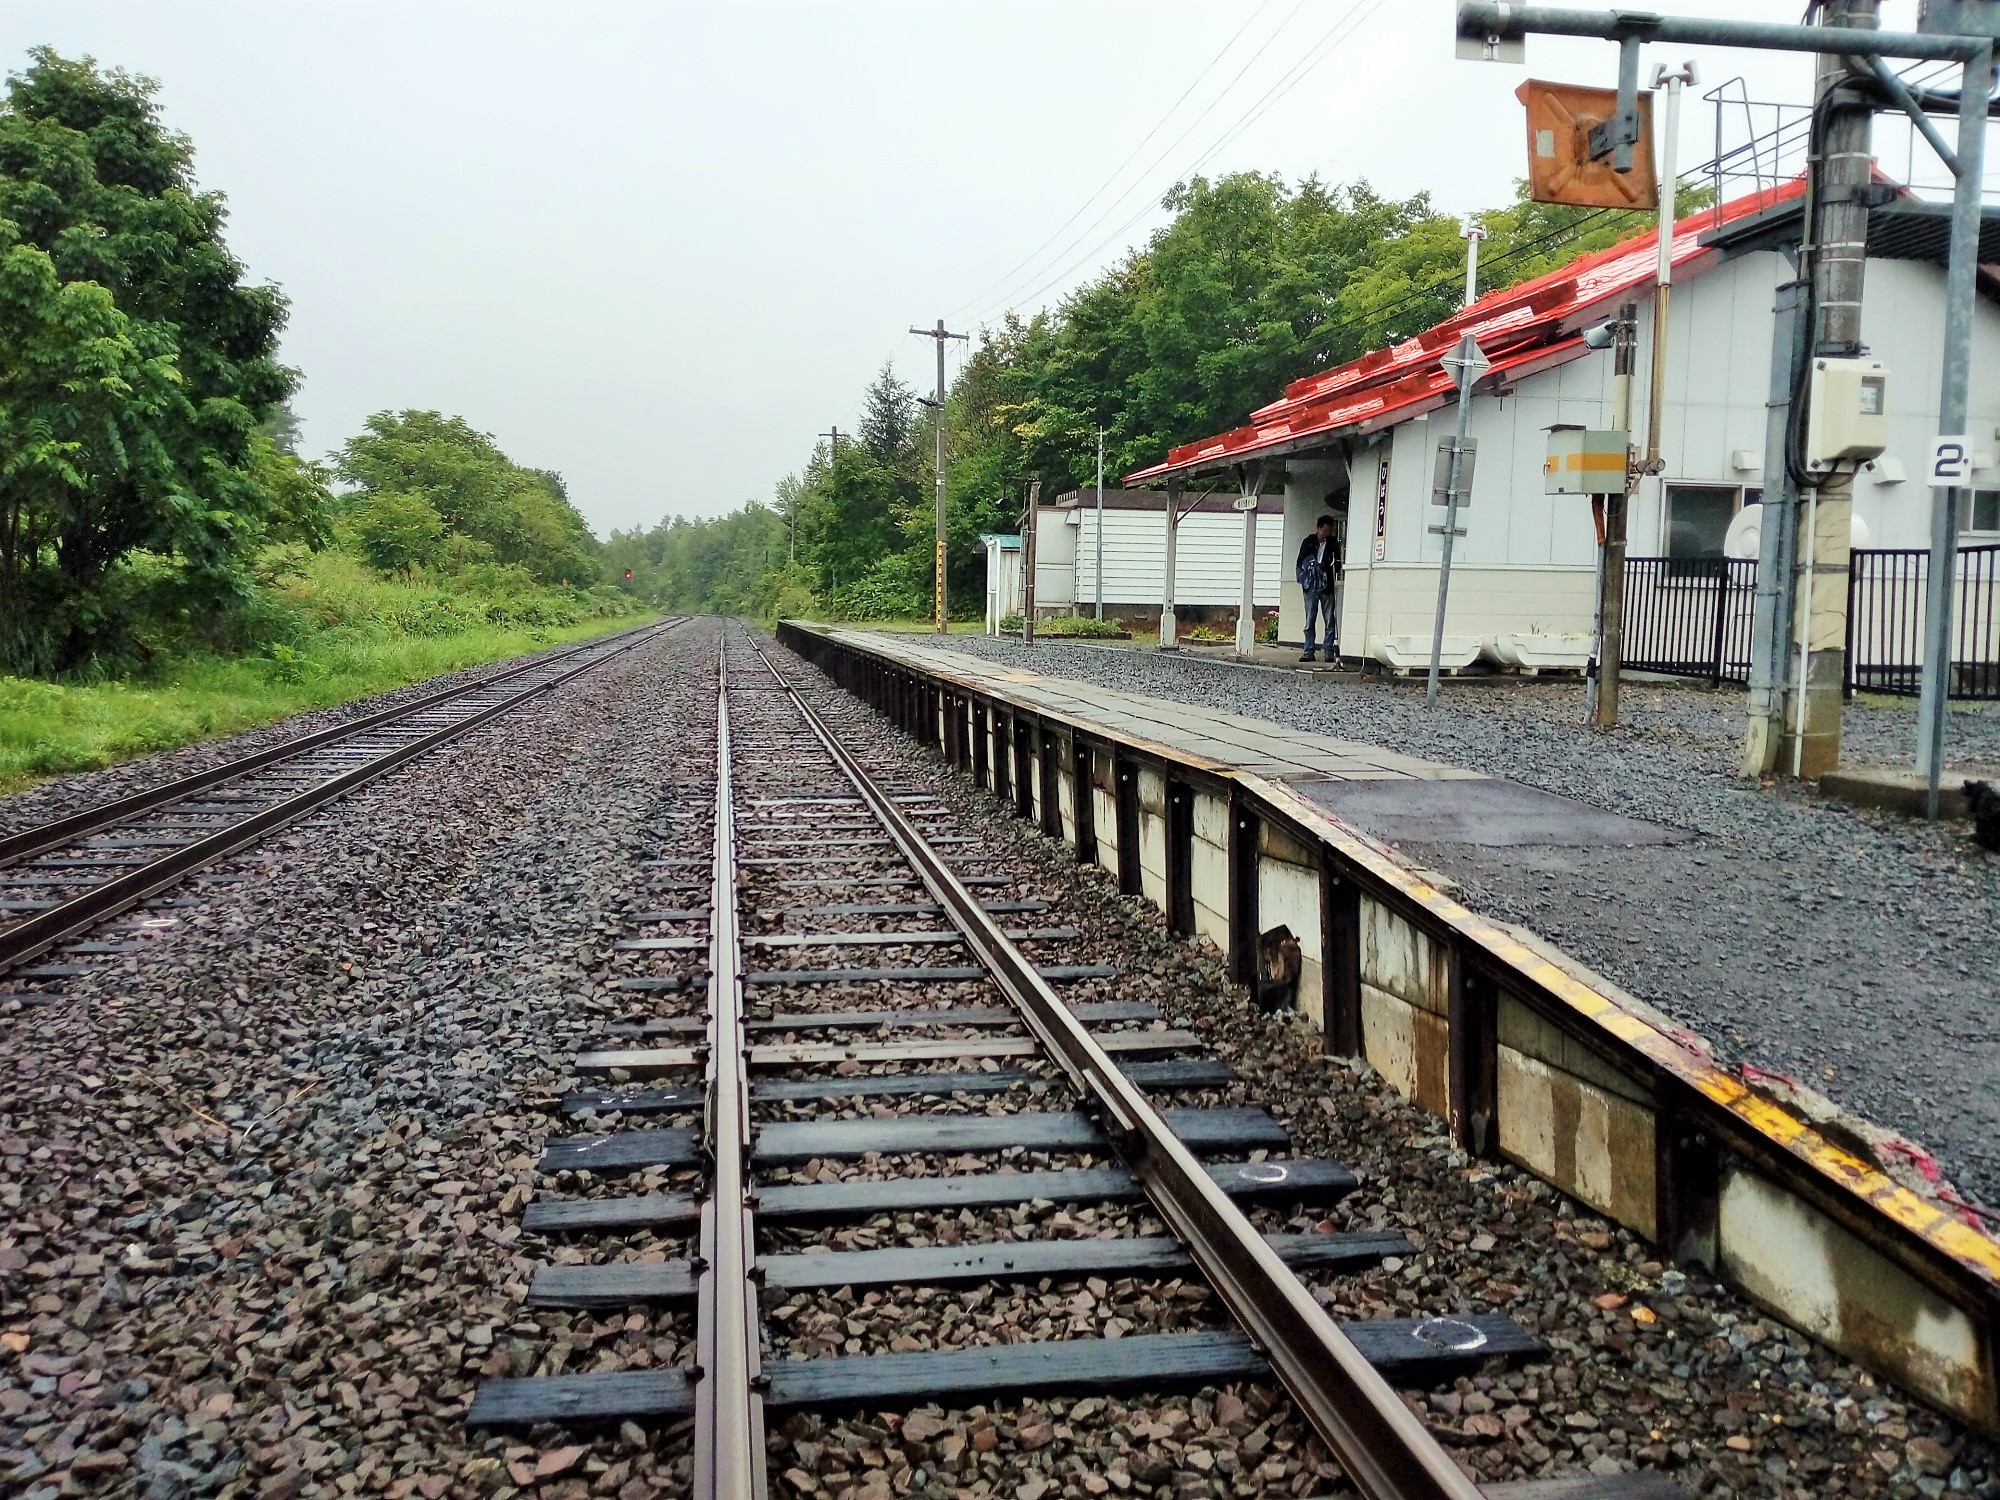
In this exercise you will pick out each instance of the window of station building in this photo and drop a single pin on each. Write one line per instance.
(1697, 520)
(1979, 514)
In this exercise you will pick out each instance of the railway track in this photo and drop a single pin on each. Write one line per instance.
(62, 879)
(869, 1086)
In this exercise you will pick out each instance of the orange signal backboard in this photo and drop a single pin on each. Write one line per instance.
(1560, 170)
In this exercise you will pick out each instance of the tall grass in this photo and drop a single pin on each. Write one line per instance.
(330, 633)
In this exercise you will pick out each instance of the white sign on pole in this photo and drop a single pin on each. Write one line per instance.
(1441, 471)
(1468, 356)
(1951, 463)
(1244, 502)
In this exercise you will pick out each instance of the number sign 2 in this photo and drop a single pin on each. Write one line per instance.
(1951, 463)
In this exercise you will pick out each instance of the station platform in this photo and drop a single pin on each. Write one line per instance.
(1392, 796)
(1237, 827)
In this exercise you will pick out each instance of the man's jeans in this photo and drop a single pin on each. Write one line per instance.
(1320, 607)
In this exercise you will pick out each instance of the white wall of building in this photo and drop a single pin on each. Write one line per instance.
(1003, 584)
(1527, 561)
(1208, 557)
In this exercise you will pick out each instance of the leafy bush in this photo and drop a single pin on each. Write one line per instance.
(397, 532)
(283, 664)
(1083, 627)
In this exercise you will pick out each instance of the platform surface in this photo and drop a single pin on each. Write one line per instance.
(1233, 740)
(1401, 798)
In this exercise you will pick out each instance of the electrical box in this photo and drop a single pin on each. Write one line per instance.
(1585, 461)
(1847, 414)
(1959, 17)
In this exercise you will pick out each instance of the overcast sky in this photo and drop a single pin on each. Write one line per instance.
(658, 247)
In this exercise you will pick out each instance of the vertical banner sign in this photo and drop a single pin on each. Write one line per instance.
(1382, 507)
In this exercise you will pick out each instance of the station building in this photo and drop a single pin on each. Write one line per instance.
(1360, 441)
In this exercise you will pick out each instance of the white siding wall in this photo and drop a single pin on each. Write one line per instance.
(1527, 558)
(1208, 560)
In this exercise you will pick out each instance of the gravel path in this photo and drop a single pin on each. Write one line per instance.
(1853, 951)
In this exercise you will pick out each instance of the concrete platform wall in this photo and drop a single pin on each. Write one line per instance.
(1527, 1055)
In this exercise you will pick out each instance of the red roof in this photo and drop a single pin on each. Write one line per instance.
(1533, 323)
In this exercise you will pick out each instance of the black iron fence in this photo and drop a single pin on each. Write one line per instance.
(1690, 617)
(1888, 592)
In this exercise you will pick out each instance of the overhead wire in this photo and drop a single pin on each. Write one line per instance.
(1326, 38)
(1166, 115)
(1147, 171)
(1309, 60)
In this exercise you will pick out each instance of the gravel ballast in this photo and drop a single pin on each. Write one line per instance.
(261, 1187)
(1851, 950)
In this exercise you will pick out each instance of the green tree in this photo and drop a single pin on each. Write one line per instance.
(137, 364)
(396, 531)
(520, 516)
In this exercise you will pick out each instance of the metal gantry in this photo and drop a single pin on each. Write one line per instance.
(1495, 23)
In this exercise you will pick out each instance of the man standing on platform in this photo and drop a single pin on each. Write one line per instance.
(1319, 561)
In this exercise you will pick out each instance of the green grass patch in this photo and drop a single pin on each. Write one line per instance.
(349, 635)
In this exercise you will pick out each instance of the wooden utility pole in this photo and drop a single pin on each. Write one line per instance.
(1028, 560)
(832, 435)
(1617, 506)
(940, 335)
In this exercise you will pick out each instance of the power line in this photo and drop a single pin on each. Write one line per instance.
(1346, 16)
(1312, 58)
(1008, 274)
(1166, 151)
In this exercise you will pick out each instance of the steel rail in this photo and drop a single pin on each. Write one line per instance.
(60, 832)
(1385, 1451)
(728, 1400)
(35, 936)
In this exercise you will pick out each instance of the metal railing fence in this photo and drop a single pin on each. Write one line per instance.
(1689, 616)
(1888, 591)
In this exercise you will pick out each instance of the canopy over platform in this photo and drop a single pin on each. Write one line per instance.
(1525, 328)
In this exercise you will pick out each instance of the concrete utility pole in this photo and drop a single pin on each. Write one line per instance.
(1100, 523)
(1838, 235)
(1028, 529)
(940, 335)
(1250, 482)
(832, 436)
(1169, 627)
